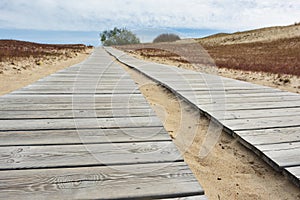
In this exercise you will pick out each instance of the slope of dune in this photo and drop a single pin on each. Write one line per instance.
(258, 35)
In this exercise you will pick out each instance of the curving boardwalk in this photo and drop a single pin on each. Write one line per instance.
(87, 132)
(264, 119)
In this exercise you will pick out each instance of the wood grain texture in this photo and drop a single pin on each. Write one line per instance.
(271, 136)
(130, 181)
(296, 172)
(80, 123)
(87, 155)
(52, 99)
(264, 113)
(261, 123)
(76, 113)
(283, 154)
(83, 136)
(75, 106)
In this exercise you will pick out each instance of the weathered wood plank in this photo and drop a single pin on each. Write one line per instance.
(224, 99)
(132, 182)
(249, 106)
(75, 106)
(22, 157)
(117, 86)
(50, 99)
(230, 100)
(55, 92)
(75, 100)
(72, 114)
(248, 114)
(232, 91)
(270, 136)
(283, 154)
(261, 123)
(296, 172)
(233, 94)
(83, 136)
(81, 123)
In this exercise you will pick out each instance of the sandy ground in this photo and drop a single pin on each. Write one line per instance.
(26, 71)
(230, 171)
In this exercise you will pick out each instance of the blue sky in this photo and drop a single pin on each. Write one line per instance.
(57, 21)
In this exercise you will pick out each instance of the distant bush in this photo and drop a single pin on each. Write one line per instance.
(166, 37)
(118, 37)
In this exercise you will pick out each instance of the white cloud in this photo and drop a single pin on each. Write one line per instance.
(91, 15)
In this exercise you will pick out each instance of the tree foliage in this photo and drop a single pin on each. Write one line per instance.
(166, 37)
(118, 36)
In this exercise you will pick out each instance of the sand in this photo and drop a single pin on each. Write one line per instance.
(229, 171)
(26, 71)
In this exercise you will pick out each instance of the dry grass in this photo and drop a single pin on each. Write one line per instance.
(12, 49)
(279, 57)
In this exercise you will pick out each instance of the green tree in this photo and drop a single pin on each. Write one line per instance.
(118, 36)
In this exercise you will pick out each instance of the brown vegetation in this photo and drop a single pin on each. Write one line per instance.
(280, 56)
(11, 49)
(19, 55)
(22, 63)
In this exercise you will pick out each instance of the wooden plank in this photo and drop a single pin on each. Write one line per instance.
(132, 182)
(79, 90)
(270, 136)
(249, 114)
(73, 82)
(82, 123)
(249, 106)
(233, 94)
(231, 91)
(283, 154)
(295, 172)
(75, 106)
(72, 114)
(261, 123)
(83, 136)
(117, 86)
(55, 92)
(230, 100)
(82, 84)
(25, 157)
(50, 99)
(224, 99)
(82, 79)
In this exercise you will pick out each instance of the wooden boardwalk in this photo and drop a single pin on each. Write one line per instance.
(87, 132)
(264, 119)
